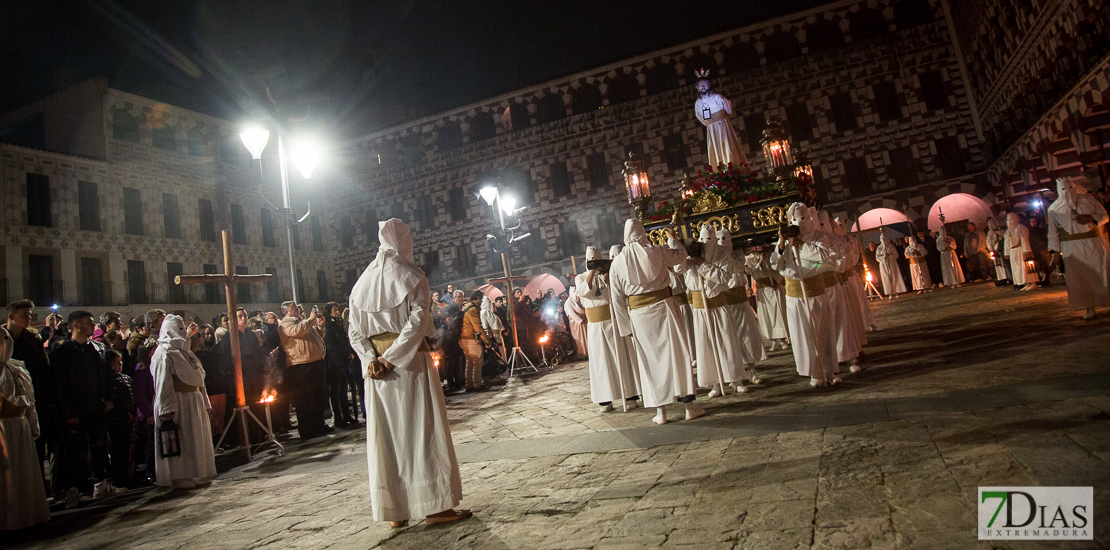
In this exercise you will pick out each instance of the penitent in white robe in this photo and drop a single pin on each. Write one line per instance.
(723, 145)
(770, 300)
(808, 318)
(22, 496)
(1086, 260)
(887, 256)
(173, 359)
(611, 364)
(1017, 246)
(919, 269)
(658, 330)
(573, 308)
(411, 459)
(717, 347)
(951, 272)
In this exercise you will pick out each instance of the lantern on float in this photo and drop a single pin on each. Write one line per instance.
(686, 189)
(802, 165)
(636, 183)
(776, 147)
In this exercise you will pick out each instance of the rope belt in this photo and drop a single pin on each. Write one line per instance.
(814, 286)
(1065, 236)
(598, 314)
(382, 342)
(637, 301)
(181, 387)
(738, 295)
(697, 300)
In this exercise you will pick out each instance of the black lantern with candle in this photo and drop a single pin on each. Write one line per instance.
(169, 439)
(776, 147)
(636, 183)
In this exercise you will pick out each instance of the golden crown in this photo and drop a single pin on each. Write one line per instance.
(701, 73)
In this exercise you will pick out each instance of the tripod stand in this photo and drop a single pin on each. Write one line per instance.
(241, 413)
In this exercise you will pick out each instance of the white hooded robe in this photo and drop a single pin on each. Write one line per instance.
(173, 359)
(1086, 259)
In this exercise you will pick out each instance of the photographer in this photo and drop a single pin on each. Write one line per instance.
(303, 342)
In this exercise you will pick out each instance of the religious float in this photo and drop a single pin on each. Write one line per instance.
(732, 196)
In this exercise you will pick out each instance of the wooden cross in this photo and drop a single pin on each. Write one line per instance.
(229, 279)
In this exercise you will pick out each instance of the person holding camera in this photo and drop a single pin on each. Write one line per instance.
(305, 373)
(801, 256)
(612, 370)
(644, 308)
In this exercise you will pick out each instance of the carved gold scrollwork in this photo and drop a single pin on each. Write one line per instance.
(658, 237)
(709, 203)
(772, 216)
(731, 223)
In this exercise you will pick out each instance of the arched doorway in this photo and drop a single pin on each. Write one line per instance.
(879, 216)
(959, 207)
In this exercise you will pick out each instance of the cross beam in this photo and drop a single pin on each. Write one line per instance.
(230, 279)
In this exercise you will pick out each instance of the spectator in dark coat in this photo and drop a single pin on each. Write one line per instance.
(142, 387)
(336, 363)
(120, 421)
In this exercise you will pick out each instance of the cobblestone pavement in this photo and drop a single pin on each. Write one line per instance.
(964, 388)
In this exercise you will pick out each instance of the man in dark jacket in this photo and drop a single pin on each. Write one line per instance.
(28, 347)
(336, 361)
(82, 391)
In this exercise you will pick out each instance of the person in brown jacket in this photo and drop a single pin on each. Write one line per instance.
(303, 342)
(471, 340)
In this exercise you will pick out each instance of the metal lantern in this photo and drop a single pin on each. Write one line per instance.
(776, 146)
(169, 440)
(802, 165)
(686, 190)
(636, 182)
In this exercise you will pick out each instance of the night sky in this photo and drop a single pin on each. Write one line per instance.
(369, 57)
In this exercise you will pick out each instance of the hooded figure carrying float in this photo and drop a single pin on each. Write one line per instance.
(844, 327)
(180, 396)
(750, 340)
(643, 307)
(613, 373)
(410, 457)
(1075, 223)
(802, 260)
(770, 298)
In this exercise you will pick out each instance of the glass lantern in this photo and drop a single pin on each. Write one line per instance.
(686, 189)
(636, 182)
(802, 165)
(776, 146)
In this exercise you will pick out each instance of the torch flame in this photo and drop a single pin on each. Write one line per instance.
(543, 339)
(268, 397)
(869, 278)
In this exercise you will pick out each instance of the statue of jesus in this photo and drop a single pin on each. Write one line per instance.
(714, 111)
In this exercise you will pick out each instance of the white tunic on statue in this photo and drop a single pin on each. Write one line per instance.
(807, 319)
(1017, 246)
(176, 371)
(770, 298)
(1087, 259)
(659, 331)
(887, 256)
(410, 456)
(951, 272)
(723, 145)
(611, 364)
(22, 496)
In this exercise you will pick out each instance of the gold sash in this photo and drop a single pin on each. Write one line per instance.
(764, 281)
(637, 301)
(830, 279)
(697, 300)
(598, 314)
(382, 342)
(915, 260)
(182, 387)
(738, 295)
(1065, 236)
(814, 286)
(681, 299)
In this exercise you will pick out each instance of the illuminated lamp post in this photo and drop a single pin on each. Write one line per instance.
(636, 182)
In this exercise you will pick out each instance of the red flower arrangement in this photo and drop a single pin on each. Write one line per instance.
(734, 184)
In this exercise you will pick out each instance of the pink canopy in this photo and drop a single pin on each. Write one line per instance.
(871, 218)
(957, 207)
(543, 283)
(491, 291)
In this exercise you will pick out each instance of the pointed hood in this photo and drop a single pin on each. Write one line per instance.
(392, 275)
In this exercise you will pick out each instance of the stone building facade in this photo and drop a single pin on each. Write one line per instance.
(873, 91)
(106, 200)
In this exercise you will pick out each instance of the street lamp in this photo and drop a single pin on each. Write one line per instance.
(505, 205)
(305, 155)
(636, 183)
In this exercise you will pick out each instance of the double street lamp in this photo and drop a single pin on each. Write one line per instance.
(505, 205)
(305, 155)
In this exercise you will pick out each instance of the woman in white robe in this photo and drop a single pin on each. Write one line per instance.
(919, 270)
(770, 298)
(1075, 223)
(180, 396)
(802, 262)
(887, 256)
(748, 337)
(612, 373)
(22, 496)
(1018, 250)
(409, 453)
(951, 272)
(715, 113)
(643, 307)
